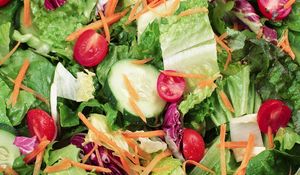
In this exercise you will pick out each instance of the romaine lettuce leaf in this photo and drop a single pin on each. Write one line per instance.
(7, 13)
(174, 167)
(4, 39)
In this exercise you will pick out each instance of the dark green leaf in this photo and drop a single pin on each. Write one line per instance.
(293, 20)
(21, 167)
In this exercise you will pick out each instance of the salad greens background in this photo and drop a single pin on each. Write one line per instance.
(259, 71)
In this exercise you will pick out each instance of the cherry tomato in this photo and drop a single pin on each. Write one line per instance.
(170, 88)
(41, 124)
(90, 48)
(193, 145)
(273, 113)
(3, 2)
(274, 9)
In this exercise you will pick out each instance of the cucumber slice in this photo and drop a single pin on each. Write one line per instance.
(143, 78)
(8, 151)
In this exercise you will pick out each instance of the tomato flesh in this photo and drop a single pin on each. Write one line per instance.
(274, 9)
(3, 2)
(90, 48)
(193, 145)
(274, 114)
(40, 124)
(170, 88)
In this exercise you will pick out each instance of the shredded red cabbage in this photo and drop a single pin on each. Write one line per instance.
(26, 144)
(53, 4)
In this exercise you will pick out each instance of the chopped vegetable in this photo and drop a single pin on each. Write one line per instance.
(2, 61)
(222, 149)
(137, 110)
(270, 138)
(144, 61)
(39, 148)
(232, 145)
(105, 25)
(228, 50)
(275, 10)
(146, 134)
(193, 145)
(226, 101)
(193, 11)
(38, 163)
(25, 144)
(27, 14)
(199, 165)
(284, 44)
(289, 3)
(184, 75)
(110, 7)
(88, 167)
(87, 156)
(8, 170)
(53, 4)
(133, 93)
(155, 160)
(61, 166)
(21, 75)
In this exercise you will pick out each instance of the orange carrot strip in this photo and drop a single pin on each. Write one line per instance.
(8, 171)
(208, 82)
(169, 12)
(87, 156)
(105, 26)
(10, 53)
(111, 7)
(97, 25)
(289, 4)
(226, 101)
(27, 13)
(38, 163)
(130, 157)
(222, 149)
(183, 75)
(136, 155)
(133, 93)
(102, 137)
(223, 36)
(160, 169)
(199, 165)
(144, 61)
(154, 161)
(39, 148)
(34, 93)
(193, 11)
(232, 145)
(132, 143)
(147, 134)
(228, 50)
(137, 110)
(270, 138)
(285, 44)
(133, 12)
(14, 96)
(61, 166)
(247, 155)
(88, 167)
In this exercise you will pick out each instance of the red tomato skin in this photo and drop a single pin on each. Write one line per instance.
(3, 2)
(41, 124)
(274, 9)
(273, 113)
(170, 88)
(193, 145)
(90, 48)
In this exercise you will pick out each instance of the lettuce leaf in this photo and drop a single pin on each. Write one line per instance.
(4, 39)
(287, 138)
(173, 164)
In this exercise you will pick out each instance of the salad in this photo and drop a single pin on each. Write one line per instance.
(168, 87)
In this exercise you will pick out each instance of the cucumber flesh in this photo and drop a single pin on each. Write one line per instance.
(143, 78)
(8, 151)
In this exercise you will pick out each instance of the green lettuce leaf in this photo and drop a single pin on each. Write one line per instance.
(174, 167)
(293, 21)
(4, 94)
(8, 12)
(21, 167)
(287, 138)
(4, 39)
(294, 38)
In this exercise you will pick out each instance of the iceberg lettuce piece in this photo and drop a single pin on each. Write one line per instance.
(152, 145)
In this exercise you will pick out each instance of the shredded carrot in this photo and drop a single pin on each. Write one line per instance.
(144, 61)
(111, 7)
(61, 166)
(133, 12)
(270, 138)
(160, 169)
(132, 143)
(223, 36)
(38, 163)
(132, 158)
(193, 11)
(97, 25)
(87, 156)
(133, 93)
(259, 34)
(222, 149)
(228, 50)
(232, 145)
(289, 3)
(184, 75)
(38, 149)
(199, 165)
(105, 26)
(168, 12)
(2, 61)
(226, 101)
(102, 137)
(88, 167)
(146, 134)
(285, 44)
(137, 110)
(154, 161)
(34, 93)
(27, 13)
(136, 155)
(209, 82)
(8, 170)
(247, 156)
(14, 96)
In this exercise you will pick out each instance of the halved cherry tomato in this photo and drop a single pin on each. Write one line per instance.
(41, 124)
(193, 145)
(274, 9)
(3, 2)
(274, 114)
(170, 88)
(90, 48)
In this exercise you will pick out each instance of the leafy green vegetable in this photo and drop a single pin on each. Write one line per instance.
(4, 39)
(273, 162)
(68, 118)
(287, 138)
(4, 94)
(21, 167)
(174, 167)
(293, 21)
(294, 39)
(8, 12)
